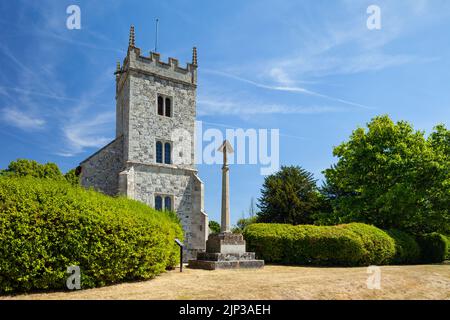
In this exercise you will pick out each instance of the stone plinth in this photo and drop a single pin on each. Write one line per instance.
(225, 251)
(225, 243)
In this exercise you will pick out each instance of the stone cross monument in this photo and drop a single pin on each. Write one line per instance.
(225, 221)
(225, 250)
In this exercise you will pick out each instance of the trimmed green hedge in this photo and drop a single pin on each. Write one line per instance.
(344, 245)
(379, 247)
(354, 244)
(407, 249)
(46, 226)
(434, 247)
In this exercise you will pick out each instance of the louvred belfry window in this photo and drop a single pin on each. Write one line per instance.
(168, 107)
(165, 106)
(160, 105)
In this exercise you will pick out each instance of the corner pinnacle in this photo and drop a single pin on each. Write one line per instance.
(194, 56)
(131, 42)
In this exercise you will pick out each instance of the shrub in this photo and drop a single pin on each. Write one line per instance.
(433, 246)
(407, 249)
(25, 167)
(268, 240)
(243, 223)
(214, 226)
(378, 246)
(72, 176)
(32, 168)
(347, 245)
(48, 225)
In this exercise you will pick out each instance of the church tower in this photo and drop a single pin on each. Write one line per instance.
(152, 156)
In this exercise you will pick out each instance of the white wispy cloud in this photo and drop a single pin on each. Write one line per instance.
(79, 120)
(89, 124)
(225, 125)
(343, 45)
(33, 74)
(285, 88)
(84, 122)
(339, 45)
(325, 65)
(88, 133)
(50, 26)
(28, 76)
(22, 120)
(61, 98)
(209, 106)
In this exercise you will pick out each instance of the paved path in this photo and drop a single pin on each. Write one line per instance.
(276, 282)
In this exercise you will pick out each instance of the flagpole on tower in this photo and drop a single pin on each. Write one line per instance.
(156, 35)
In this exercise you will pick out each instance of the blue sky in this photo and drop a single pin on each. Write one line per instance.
(309, 68)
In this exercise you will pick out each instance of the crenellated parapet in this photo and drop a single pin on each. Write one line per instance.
(152, 65)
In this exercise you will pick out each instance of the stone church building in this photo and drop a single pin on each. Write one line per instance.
(155, 127)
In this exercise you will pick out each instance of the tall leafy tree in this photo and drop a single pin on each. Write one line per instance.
(438, 195)
(289, 196)
(391, 176)
(32, 168)
(214, 226)
(243, 223)
(25, 167)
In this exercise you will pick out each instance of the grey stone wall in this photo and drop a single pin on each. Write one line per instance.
(122, 102)
(160, 180)
(199, 218)
(143, 182)
(101, 170)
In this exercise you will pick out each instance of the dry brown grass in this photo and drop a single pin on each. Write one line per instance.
(276, 282)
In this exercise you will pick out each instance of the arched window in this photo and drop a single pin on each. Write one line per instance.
(158, 203)
(159, 152)
(160, 105)
(167, 153)
(168, 107)
(168, 203)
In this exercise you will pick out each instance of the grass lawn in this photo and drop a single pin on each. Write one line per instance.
(276, 282)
